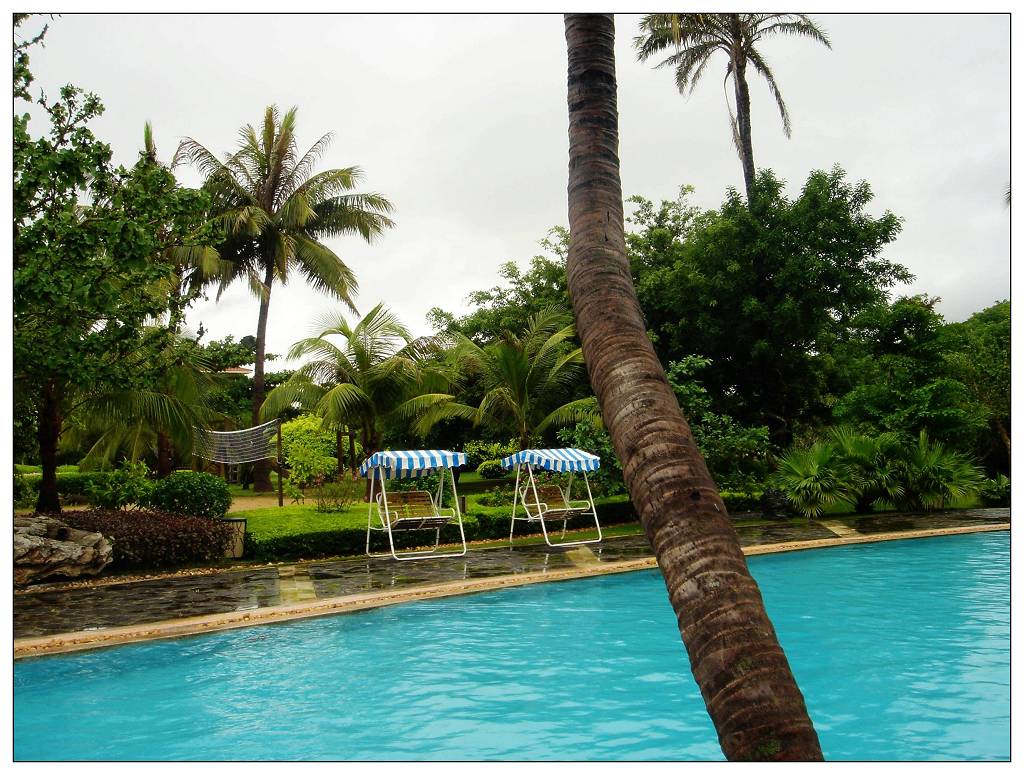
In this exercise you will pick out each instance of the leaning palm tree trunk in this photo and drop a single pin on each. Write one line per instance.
(735, 656)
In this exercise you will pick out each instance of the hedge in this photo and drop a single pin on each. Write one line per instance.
(478, 526)
(70, 483)
(154, 539)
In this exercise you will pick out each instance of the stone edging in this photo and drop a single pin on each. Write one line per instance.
(78, 641)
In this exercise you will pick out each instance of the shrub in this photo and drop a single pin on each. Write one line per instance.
(337, 496)
(309, 450)
(478, 452)
(491, 469)
(935, 476)
(479, 526)
(815, 478)
(154, 539)
(497, 496)
(596, 441)
(127, 486)
(23, 492)
(996, 492)
(192, 492)
(69, 485)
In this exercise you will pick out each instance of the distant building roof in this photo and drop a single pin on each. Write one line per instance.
(236, 370)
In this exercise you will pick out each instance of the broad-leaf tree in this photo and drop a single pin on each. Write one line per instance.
(764, 292)
(277, 211)
(735, 656)
(89, 274)
(695, 38)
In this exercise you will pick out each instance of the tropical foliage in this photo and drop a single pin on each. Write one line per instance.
(91, 271)
(526, 377)
(356, 375)
(276, 212)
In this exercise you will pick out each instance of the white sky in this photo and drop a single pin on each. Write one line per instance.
(461, 121)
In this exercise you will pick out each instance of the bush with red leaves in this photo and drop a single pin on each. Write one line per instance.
(154, 539)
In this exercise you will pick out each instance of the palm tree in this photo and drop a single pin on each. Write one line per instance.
(735, 656)
(524, 376)
(877, 462)
(936, 476)
(815, 478)
(697, 36)
(132, 423)
(359, 381)
(275, 212)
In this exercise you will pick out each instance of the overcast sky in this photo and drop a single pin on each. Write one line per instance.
(461, 122)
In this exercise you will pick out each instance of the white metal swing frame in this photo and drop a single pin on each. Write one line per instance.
(388, 524)
(540, 512)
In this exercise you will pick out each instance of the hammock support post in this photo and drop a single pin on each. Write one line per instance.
(244, 446)
(280, 467)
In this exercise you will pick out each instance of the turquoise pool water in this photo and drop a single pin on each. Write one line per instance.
(901, 649)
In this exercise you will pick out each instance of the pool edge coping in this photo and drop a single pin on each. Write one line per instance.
(198, 625)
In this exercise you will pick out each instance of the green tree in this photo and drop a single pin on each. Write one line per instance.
(276, 212)
(308, 450)
(357, 376)
(736, 659)
(526, 380)
(979, 357)
(764, 292)
(696, 37)
(737, 455)
(89, 273)
(895, 359)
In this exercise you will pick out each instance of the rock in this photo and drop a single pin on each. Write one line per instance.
(44, 546)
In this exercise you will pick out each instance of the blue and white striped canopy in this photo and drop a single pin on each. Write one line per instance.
(554, 459)
(405, 464)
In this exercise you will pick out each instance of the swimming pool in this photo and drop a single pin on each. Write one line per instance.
(901, 649)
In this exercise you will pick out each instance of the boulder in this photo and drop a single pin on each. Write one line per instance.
(44, 546)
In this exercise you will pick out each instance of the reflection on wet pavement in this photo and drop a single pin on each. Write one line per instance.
(888, 523)
(49, 612)
(96, 608)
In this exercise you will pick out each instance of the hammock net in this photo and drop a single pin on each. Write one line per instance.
(245, 446)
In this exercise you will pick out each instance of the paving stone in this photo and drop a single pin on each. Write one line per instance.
(51, 612)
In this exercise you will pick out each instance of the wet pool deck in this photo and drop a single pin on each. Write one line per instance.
(55, 618)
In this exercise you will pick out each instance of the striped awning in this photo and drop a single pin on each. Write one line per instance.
(405, 464)
(554, 459)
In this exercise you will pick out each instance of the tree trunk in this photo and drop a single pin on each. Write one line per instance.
(261, 468)
(739, 78)
(1003, 435)
(51, 421)
(339, 436)
(735, 656)
(164, 455)
(352, 450)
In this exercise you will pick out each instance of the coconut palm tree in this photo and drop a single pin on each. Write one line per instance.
(696, 37)
(525, 379)
(735, 656)
(356, 376)
(276, 212)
